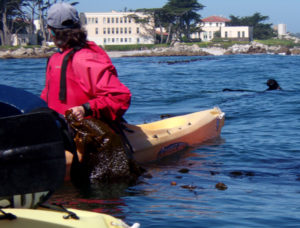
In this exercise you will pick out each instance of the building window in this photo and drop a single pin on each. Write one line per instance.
(108, 20)
(239, 34)
(138, 40)
(125, 19)
(104, 20)
(121, 40)
(129, 20)
(129, 30)
(96, 31)
(121, 19)
(104, 40)
(125, 40)
(125, 30)
(137, 30)
(117, 20)
(112, 30)
(108, 40)
(108, 30)
(243, 34)
(226, 34)
(113, 40)
(96, 20)
(104, 30)
(117, 30)
(121, 30)
(112, 20)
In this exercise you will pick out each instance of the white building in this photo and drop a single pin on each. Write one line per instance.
(282, 30)
(118, 28)
(240, 33)
(213, 24)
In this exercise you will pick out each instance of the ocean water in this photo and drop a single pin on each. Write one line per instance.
(257, 155)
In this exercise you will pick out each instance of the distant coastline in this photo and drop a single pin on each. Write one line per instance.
(178, 49)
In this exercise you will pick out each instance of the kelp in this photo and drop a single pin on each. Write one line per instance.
(104, 155)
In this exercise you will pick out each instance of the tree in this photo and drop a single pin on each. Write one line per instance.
(177, 17)
(260, 29)
(160, 16)
(184, 16)
(19, 15)
(9, 11)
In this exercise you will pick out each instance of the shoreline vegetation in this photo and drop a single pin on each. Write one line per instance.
(282, 47)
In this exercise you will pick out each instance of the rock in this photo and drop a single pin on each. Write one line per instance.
(214, 50)
(30, 51)
(284, 50)
(176, 49)
(295, 51)
(273, 49)
(256, 50)
(19, 52)
(27, 53)
(239, 49)
(5, 54)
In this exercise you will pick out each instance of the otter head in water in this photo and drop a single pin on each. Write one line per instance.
(273, 85)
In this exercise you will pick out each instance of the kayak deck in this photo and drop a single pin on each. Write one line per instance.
(152, 141)
(30, 218)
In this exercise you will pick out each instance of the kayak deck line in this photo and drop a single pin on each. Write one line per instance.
(151, 141)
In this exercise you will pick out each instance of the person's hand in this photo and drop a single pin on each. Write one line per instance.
(79, 112)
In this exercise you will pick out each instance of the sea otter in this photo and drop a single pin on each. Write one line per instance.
(271, 83)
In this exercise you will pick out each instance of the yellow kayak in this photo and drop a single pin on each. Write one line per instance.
(152, 141)
(40, 218)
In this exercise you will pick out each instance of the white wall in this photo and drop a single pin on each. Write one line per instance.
(237, 32)
(116, 28)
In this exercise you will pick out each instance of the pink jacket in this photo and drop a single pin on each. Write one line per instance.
(90, 77)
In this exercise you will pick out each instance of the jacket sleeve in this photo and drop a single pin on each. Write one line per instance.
(109, 98)
(44, 94)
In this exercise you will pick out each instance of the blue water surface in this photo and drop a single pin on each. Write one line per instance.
(257, 155)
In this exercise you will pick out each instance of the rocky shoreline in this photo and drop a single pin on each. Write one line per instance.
(178, 49)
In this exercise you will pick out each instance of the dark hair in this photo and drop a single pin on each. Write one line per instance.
(69, 38)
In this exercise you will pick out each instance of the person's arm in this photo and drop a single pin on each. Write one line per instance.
(44, 94)
(109, 97)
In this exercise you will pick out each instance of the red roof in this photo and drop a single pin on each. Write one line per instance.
(215, 19)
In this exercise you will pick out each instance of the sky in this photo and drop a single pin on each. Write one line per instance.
(279, 11)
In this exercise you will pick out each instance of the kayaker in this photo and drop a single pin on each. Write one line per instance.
(80, 76)
(87, 82)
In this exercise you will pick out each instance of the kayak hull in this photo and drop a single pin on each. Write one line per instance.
(153, 141)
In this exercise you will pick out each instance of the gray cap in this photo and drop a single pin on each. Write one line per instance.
(62, 15)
